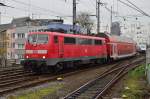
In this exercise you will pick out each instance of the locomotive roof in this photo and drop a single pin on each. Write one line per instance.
(115, 38)
(68, 35)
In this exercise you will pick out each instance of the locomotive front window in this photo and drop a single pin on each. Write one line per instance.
(38, 38)
(32, 38)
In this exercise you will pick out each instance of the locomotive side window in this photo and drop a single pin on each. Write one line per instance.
(83, 41)
(98, 42)
(89, 41)
(55, 39)
(69, 40)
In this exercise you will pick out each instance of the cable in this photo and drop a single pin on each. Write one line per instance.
(92, 3)
(38, 13)
(138, 8)
(25, 10)
(40, 8)
(110, 10)
(132, 7)
(83, 3)
(132, 16)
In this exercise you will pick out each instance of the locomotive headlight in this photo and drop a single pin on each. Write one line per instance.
(43, 57)
(42, 51)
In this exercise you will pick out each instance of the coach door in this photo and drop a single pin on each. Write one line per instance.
(61, 47)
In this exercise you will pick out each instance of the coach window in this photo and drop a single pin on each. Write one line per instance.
(69, 40)
(55, 39)
(98, 42)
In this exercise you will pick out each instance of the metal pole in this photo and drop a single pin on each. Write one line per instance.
(98, 16)
(111, 20)
(96, 8)
(74, 16)
(0, 14)
(0, 17)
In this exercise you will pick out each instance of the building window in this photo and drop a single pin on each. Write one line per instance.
(13, 35)
(20, 56)
(12, 55)
(13, 45)
(20, 46)
(8, 45)
(21, 35)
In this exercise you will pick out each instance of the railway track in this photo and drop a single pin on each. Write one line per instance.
(96, 88)
(13, 80)
(29, 80)
(13, 74)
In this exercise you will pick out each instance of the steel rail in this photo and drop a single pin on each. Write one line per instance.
(40, 80)
(88, 86)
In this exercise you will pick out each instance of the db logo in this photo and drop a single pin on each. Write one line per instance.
(85, 50)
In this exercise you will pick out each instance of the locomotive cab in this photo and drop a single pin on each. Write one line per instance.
(35, 42)
(36, 50)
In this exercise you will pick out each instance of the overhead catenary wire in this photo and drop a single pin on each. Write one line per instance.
(38, 12)
(132, 7)
(44, 11)
(110, 10)
(87, 4)
(129, 6)
(93, 3)
(138, 8)
(37, 7)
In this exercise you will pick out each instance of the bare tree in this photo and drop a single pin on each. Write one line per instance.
(84, 20)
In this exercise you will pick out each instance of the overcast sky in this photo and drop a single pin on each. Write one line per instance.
(53, 8)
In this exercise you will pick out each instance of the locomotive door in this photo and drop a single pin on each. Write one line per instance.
(61, 47)
(114, 51)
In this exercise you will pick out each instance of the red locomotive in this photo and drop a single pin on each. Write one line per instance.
(54, 51)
